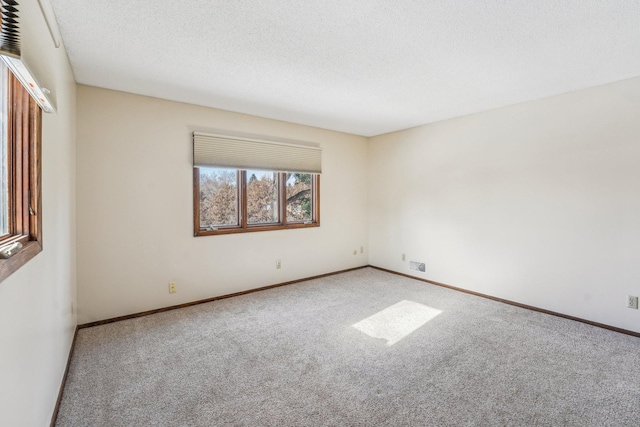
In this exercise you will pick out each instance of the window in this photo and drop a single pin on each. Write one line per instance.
(262, 198)
(299, 197)
(236, 201)
(4, 156)
(243, 184)
(20, 179)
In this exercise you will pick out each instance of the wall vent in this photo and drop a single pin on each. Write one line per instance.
(417, 266)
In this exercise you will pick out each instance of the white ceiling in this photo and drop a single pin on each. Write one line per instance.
(360, 66)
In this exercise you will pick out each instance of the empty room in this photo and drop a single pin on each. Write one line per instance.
(328, 213)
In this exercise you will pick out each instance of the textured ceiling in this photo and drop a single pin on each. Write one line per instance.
(360, 66)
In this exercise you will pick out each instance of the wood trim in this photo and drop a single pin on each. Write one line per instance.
(242, 194)
(478, 294)
(23, 139)
(282, 197)
(516, 304)
(316, 201)
(196, 201)
(28, 251)
(25, 177)
(35, 171)
(16, 140)
(253, 228)
(56, 408)
(202, 301)
(243, 226)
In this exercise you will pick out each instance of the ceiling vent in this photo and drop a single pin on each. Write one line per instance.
(11, 55)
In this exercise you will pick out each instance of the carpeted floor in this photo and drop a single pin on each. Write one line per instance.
(290, 356)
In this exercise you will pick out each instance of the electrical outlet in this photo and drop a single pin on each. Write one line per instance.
(632, 302)
(172, 287)
(361, 249)
(278, 265)
(404, 257)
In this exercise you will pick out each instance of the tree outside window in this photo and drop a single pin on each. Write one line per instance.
(232, 201)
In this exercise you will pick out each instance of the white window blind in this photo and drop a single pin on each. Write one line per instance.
(9, 28)
(245, 153)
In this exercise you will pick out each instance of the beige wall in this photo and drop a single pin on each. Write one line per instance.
(135, 198)
(537, 203)
(36, 320)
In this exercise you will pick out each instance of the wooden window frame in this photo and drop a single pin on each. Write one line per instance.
(243, 227)
(24, 138)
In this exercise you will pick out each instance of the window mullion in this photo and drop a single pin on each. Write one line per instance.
(315, 199)
(282, 196)
(242, 198)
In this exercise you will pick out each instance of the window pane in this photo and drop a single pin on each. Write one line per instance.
(262, 197)
(299, 197)
(4, 154)
(218, 197)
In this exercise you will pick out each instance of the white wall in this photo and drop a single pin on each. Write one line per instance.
(36, 319)
(537, 203)
(135, 208)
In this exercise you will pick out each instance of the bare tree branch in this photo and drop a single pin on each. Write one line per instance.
(298, 195)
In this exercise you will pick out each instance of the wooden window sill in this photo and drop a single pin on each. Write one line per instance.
(28, 251)
(251, 229)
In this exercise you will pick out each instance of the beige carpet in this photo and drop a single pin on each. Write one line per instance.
(364, 348)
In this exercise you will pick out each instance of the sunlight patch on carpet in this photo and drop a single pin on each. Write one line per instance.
(397, 321)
